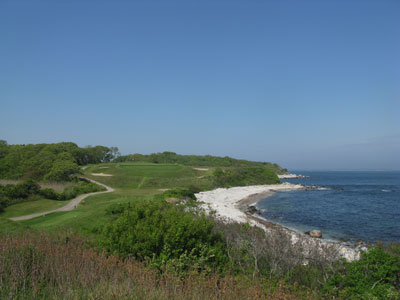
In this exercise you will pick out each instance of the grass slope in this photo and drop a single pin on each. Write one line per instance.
(132, 181)
(30, 207)
(148, 176)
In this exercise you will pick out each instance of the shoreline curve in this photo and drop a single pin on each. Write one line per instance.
(231, 205)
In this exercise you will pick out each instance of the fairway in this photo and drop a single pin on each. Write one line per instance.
(147, 176)
(31, 207)
(132, 182)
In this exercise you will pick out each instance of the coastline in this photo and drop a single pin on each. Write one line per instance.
(225, 201)
(232, 205)
(291, 176)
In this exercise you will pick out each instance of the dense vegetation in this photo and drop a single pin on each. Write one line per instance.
(243, 176)
(11, 194)
(198, 160)
(165, 235)
(174, 238)
(62, 267)
(135, 245)
(52, 162)
(375, 276)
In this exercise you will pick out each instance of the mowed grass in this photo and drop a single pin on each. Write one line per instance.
(30, 207)
(132, 181)
(90, 215)
(148, 176)
(36, 206)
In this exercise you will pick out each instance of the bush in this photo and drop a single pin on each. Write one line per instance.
(3, 203)
(75, 271)
(185, 193)
(375, 276)
(164, 234)
(15, 193)
(21, 190)
(82, 188)
(49, 193)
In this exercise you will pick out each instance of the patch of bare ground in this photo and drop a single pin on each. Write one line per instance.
(101, 174)
(57, 186)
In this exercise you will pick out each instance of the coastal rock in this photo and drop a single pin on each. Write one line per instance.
(314, 233)
(310, 187)
(252, 210)
(291, 176)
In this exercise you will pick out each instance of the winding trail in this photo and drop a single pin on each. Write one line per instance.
(71, 205)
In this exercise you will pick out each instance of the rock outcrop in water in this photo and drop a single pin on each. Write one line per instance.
(314, 233)
(252, 210)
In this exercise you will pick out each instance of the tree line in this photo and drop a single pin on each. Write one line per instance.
(49, 162)
(198, 160)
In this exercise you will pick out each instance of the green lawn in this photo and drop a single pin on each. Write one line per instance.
(148, 176)
(132, 181)
(31, 207)
(89, 216)
(7, 226)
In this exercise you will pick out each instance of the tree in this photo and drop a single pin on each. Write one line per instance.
(62, 170)
(115, 152)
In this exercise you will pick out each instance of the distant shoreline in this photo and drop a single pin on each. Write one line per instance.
(291, 176)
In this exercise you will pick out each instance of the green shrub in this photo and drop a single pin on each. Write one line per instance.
(375, 276)
(21, 190)
(15, 193)
(185, 193)
(82, 187)
(49, 193)
(3, 203)
(164, 234)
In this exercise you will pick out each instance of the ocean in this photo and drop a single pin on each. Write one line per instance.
(347, 206)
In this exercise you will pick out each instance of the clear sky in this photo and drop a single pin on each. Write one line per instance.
(306, 84)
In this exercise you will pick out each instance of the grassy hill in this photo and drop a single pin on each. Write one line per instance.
(132, 181)
(199, 161)
(115, 229)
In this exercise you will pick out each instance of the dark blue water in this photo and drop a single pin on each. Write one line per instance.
(351, 205)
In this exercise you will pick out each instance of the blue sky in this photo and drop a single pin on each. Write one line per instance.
(306, 84)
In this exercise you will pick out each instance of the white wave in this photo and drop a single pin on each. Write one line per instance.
(320, 188)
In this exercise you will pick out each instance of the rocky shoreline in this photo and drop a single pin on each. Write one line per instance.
(291, 176)
(238, 204)
(313, 238)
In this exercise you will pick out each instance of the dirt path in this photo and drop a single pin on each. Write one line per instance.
(141, 182)
(71, 205)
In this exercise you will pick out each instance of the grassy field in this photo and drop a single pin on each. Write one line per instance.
(30, 207)
(148, 176)
(132, 182)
